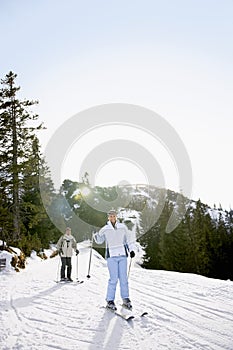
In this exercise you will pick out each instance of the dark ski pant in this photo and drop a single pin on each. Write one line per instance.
(65, 262)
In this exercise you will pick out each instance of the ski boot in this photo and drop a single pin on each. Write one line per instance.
(127, 303)
(111, 305)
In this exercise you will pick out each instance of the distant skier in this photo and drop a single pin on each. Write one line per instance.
(65, 246)
(116, 237)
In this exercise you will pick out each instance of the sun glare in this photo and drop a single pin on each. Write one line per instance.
(85, 191)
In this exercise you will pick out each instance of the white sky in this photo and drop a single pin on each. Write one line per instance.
(171, 56)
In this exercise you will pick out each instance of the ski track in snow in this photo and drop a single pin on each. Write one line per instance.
(186, 312)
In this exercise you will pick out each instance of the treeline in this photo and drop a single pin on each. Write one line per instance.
(202, 243)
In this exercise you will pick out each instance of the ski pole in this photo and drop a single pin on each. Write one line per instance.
(77, 280)
(88, 274)
(129, 267)
(58, 268)
(77, 267)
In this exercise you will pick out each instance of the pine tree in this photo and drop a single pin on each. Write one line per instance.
(200, 231)
(36, 184)
(16, 140)
(166, 249)
(220, 247)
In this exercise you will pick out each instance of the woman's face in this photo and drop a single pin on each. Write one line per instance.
(112, 218)
(68, 231)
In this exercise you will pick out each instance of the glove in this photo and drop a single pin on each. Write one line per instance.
(132, 254)
(77, 251)
(60, 252)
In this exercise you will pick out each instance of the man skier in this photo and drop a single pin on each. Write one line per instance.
(65, 246)
(116, 237)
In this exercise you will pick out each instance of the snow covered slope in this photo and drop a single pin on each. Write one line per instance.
(185, 311)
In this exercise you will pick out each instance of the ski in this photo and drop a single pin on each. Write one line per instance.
(62, 282)
(144, 314)
(69, 282)
(124, 316)
(127, 315)
(141, 314)
(79, 282)
(121, 314)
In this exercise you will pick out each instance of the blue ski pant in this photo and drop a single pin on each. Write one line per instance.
(117, 267)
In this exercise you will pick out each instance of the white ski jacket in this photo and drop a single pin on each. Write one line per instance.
(65, 245)
(117, 239)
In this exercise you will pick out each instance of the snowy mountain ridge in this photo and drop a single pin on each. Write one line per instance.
(145, 200)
